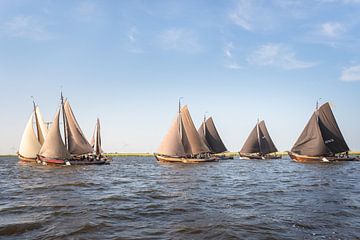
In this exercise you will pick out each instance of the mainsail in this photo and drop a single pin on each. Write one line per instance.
(210, 136)
(53, 146)
(77, 143)
(259, 141)
(269, 141)
(182, 139)
(196, 144)
(29, 146)
(96, 139)
(321, 136)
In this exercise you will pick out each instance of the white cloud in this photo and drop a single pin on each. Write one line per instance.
(242, 15)
(228, 49)
(228, 52)
(351, 74)
(133, 36)
(179, 40)
(27, 27)
(87, 11)
(233, 65)
(332, 29)
(277, 55)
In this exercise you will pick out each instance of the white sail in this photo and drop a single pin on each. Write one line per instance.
(29, 146)
(53, 146)
(42, 129)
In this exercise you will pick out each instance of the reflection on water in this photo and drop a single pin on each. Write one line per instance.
(140, 198)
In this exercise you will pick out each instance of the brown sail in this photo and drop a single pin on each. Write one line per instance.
(210, 136)
(269, 141)
(172, 144)
(259, 141)
(330, 130)
(77, 143)
(310, 142)
(54, 146)
(96, 139)
(196, 145)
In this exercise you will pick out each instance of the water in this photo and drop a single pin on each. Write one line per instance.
(138, 198)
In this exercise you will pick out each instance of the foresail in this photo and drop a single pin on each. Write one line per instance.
(171, 144)
(251, 144)
(54, 146)
(196, 144)
(330, 130)
(29, 145)
(310, 142)
(76, 140)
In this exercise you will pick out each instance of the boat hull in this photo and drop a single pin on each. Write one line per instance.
(73, 161)
(26, 159)
(52, 161)
(311, 159)
(88, 162)
(162, 158)
(225, 157)
(258, 157)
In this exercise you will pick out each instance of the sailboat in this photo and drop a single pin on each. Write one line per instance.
(96, 142)
(182, 142)
(259, 144)
(31, 142)
(75, 149)
(321, 139)
(210, 136)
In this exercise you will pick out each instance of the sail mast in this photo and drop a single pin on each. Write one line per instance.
(180, 124)
(64, 122)
(204, 125)
(258, 136)
(36, 122)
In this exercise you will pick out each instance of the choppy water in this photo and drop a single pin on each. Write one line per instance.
(139, 198)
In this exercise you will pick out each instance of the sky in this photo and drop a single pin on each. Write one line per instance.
(128, 62)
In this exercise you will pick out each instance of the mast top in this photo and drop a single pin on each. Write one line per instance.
(317, 104)
(180, 103)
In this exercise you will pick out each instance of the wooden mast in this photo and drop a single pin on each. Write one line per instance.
(64, 122)
(36, 121)
(258, 136)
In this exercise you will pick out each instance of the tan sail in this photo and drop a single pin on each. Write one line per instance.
(172, 144)
(29, 146)
(41, 126)
(196, 144)
(53, 146)
(96, 139)
(77, 143)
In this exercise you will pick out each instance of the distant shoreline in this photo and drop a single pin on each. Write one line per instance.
(151, 154)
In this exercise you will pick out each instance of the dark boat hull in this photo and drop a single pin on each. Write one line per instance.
(163, 158)
(311, 159)
(73, 161)
(88, 162)
(258, 157)
(225, 157)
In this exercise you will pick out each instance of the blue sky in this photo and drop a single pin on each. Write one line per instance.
(128, 62)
